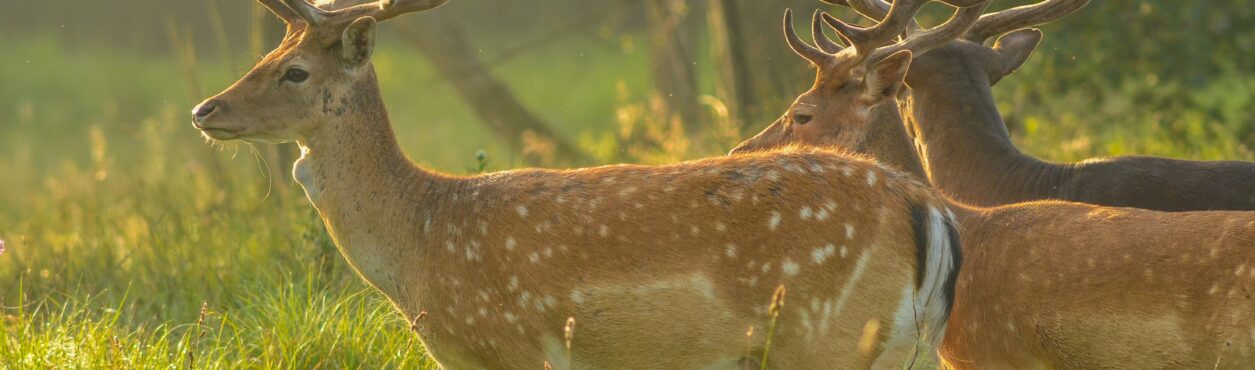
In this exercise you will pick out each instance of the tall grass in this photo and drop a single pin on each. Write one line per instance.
(132, 243)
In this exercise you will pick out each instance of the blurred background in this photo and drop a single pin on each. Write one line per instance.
(132, 242)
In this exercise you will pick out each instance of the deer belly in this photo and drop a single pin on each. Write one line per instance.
(675, 322)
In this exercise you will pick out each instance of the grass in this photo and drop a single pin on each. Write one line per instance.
(131, 243)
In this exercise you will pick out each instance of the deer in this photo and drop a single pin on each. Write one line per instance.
(968, 152)
(1047, 283)
(614, 267)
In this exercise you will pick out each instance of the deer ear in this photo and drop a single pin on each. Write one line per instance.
(1014, 49)
(886, 77)
(358, 42)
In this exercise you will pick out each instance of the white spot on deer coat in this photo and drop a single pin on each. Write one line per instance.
(510, 243)
(522, 210)
(805, 213)
(821, 254)
(774, 221)
(789, 267)
(849, 231)
(729, 250)
(871, 178)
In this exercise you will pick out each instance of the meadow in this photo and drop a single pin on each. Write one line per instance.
(132, 242)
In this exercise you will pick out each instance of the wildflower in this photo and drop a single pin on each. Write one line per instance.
(1, 246)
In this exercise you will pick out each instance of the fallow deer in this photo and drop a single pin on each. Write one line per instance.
(1048, 284)
(968, 152)
(659, 267)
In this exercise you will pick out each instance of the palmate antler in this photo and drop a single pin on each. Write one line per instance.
(301, 11)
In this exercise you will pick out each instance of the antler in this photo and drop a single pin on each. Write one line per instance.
(381, 10)
(816, 56)
(1018, 17)
(822, 41)
(897, 16)
(900, 15)
(281, 10)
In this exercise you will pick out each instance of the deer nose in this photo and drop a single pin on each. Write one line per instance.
(203, 111)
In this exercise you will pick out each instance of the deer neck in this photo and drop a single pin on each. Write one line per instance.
(964, 143)
(364, 188)
(888, 142)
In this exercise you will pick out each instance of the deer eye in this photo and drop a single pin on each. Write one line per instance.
(801, 118)
(296, 75)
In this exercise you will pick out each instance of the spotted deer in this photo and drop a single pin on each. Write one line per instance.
(656, 266)
(968, 152)
(1045, 284)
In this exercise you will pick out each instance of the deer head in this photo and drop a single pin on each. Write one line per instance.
(304, 82)
(857, 84)
(833, 125)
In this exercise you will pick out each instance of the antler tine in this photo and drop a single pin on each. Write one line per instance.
(280, 10)
(956, 26)
(963, 3)
(816, 56)
(822, 41)
(875, 10)
(307, 12)
(387, 9)
(1019, 17)
(380, 10)
(901, 14)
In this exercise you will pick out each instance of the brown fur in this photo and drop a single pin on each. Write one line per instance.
(1067, 285)
(660, 267)
(1052, 284)
(969, 153)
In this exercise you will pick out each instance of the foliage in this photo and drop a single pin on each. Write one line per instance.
(128, 236)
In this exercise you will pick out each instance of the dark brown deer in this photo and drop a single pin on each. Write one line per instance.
(968, 152)
(659, 267)
(1048, 284)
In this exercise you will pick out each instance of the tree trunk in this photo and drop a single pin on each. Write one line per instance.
(672, 60)
(732, 79)
(446, 47)
(770, 75)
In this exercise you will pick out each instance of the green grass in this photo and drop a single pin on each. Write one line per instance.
(122, 223)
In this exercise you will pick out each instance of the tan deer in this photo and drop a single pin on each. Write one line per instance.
(1046, 284)
(659, 267)
(969, 154)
